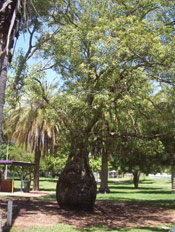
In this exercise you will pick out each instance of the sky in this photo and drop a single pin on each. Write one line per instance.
(22, 42)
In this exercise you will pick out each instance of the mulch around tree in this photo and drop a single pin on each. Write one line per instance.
(44, 213)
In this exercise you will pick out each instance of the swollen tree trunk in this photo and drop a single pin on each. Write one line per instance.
(104, 174)
(76, 187)
(136, 176)
(36, 169)
(172, 179)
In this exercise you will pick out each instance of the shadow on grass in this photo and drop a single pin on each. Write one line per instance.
(128, 185)
(106, 216)
(147, 191)
(132, 188)
(7, 229)
(105, 229)
(154, 192)
(49, 180)
(130, 182)
(168, 204)
(48, 189)
(131, 229)
(40, 189)
(51, 197)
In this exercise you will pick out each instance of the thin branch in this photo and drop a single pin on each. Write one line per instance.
(12, 25)
(43, 91)
(35, 9)
(134, 124)
(6, 3)
(170, 23)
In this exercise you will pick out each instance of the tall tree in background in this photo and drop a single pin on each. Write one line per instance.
(9, 23)
(163, 123)
(31, 125)
(17, 16)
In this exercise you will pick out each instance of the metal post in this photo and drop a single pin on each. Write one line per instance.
(22, 176)
(13, 172)
(7, 156)
(0, 221)
(9, 213)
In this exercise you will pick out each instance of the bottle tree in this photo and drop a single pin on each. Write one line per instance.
(101, 55)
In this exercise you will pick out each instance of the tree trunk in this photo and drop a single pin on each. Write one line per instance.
(3, 80)
(36, 169)
(5, 18)
(0, 221)
(172, 179)
(104, 174)
(136, 176)
(3, 72)
(6, 43)
(76, 187)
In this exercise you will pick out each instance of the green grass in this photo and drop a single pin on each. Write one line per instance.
(66, 228)
(46, 184)
(150, 192)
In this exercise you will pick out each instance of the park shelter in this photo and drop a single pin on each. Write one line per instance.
(9, 184)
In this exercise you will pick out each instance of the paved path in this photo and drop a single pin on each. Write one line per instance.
(29, 194)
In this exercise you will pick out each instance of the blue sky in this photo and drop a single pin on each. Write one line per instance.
(22, 42)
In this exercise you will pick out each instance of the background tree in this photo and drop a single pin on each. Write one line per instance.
(18, 16)
(163, 124)
(140, 156)
(31, 125)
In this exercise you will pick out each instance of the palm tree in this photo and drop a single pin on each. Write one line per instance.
(10, 18)
(31, 125)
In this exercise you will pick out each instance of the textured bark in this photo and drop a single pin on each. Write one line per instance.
(104, 174)
(136, 176)
(172, 179)
(36, 169)
(0, 221)
(3, 65)
(76, 187)
(6, 43)
(5, 19)
(3, 80)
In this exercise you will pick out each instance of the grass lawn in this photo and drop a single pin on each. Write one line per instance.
(155, 192)
(151, 192)
(66, 228)
(46, 184)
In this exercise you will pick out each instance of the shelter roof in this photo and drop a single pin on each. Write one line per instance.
(6, 162)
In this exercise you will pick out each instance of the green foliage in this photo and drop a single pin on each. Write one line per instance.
(95, 163)
(11, 149)
(107, 53)
(55, 163)
(140, 155)
(106, 57)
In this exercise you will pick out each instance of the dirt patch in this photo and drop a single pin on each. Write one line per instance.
(35, 212)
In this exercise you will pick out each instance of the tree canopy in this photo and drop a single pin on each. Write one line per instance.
(110, 56)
